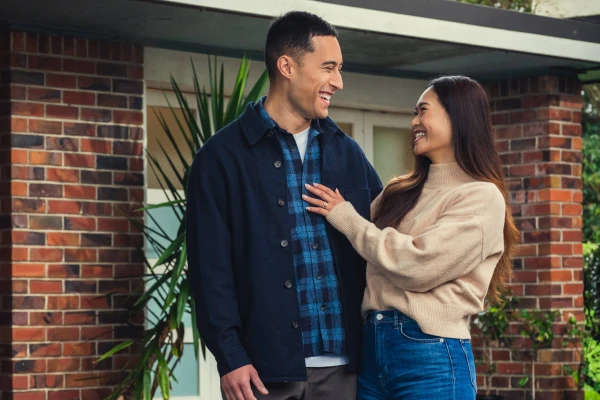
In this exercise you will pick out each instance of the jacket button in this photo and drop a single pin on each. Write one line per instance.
(284, 243)
(288, 284)
(295, 325)
(277, 164)
(281, 202)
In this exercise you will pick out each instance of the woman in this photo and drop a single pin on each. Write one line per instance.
(440, 242)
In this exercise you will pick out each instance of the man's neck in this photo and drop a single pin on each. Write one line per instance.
(282, 112)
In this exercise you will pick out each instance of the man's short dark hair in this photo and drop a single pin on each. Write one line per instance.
(291, 34)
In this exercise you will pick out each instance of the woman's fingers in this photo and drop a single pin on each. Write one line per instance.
(318, 210)
(318, 192)
(313, 201)
(325, 189)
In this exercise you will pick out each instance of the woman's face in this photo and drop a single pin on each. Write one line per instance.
(432, 130)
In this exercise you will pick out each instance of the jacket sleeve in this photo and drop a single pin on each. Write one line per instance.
(209, 253)
(452, 247)
(374, 181)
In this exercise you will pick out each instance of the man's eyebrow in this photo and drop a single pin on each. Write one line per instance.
(331, 63)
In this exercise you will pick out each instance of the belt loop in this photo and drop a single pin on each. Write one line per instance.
(396, 319)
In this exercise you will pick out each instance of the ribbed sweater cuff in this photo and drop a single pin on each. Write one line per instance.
(345, 219)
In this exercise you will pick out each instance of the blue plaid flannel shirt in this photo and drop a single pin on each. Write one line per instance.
(317, 284)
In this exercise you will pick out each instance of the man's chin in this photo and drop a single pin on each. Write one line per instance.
(323, 114)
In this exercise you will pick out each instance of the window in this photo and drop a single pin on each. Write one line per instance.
(197, 379)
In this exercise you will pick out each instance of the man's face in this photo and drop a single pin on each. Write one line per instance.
(317, 76)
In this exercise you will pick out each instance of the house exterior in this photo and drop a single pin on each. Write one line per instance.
(81, 81)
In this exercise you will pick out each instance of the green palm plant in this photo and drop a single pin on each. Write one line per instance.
(162, 342)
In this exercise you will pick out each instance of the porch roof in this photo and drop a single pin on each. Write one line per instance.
(404, 38)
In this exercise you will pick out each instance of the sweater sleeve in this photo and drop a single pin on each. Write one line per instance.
(450, 248)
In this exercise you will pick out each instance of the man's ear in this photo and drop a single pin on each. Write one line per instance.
(286, 66)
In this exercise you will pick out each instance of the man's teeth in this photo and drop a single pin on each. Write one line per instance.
(325, 96)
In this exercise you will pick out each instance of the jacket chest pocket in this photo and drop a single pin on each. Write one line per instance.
(360, 199)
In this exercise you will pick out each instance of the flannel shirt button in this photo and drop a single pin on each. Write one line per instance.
(323, 307)
(288, 284)
(277, 164)
(295, 325)
(281, 202)
(319, 276)
(284, 243)
(293, 148)
(315, 246)
(270, 133)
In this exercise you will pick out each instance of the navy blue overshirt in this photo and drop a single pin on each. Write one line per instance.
(239, 236)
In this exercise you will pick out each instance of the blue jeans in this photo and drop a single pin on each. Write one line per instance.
(399, 361)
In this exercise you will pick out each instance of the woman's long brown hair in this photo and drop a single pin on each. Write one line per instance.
(467, 105)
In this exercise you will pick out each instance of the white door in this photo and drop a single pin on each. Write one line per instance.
(384, 137)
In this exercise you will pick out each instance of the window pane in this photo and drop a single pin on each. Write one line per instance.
(187, 374)
(346, 127)
(157, 134)
(392, 152)
(159, 220)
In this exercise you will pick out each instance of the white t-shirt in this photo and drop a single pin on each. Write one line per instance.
(302, 142)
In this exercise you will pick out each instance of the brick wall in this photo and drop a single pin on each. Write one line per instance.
(538, 127)
(76, 173)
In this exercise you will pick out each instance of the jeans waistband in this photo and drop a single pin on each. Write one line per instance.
(386, 317)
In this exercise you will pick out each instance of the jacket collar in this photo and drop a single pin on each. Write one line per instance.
(254, 126)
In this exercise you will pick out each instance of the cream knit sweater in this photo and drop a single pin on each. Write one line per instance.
(437, 265)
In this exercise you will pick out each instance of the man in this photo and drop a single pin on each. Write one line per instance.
(277, 290)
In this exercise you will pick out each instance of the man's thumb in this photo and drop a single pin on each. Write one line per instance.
(257, 382)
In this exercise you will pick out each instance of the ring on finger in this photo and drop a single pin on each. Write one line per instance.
(325, 205)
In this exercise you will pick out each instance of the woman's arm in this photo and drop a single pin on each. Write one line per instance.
(452, 247)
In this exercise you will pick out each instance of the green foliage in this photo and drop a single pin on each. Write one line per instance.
(537, 326)
(591, 280)
(587, 375)
(591, 168)
(162, 341)
(586, 337)
(591, 188)
(513, 5)
(493, 324)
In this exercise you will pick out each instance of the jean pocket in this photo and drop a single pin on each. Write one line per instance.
(411, 331)
(465, 344)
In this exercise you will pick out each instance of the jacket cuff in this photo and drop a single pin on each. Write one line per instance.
(232, 360)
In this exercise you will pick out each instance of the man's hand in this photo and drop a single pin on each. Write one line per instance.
(236, 384)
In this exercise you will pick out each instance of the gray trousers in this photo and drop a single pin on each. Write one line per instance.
(326, 383)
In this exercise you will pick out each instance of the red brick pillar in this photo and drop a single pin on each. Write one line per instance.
(538, 128)
(76, 173)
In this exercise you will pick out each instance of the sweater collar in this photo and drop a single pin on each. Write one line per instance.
(447, 175)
